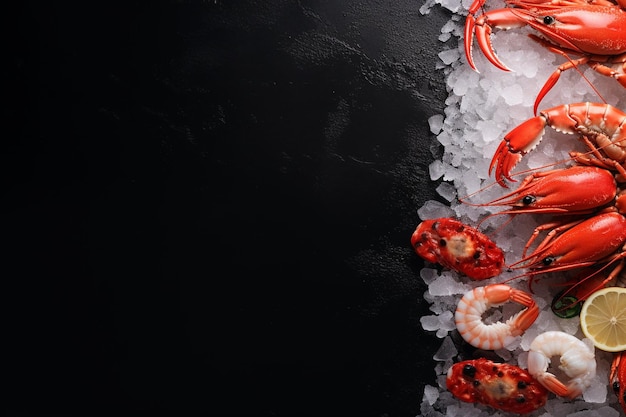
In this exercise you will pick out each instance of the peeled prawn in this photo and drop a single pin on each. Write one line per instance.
(577, 361)
(469, 312)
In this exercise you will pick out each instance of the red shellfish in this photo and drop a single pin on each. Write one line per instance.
(498, 385)
(458, 246)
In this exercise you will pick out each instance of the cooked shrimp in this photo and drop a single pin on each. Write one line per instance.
(469, 311)
(577, 362)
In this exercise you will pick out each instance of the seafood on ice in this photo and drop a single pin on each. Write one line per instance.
(458, 246)
(571, 215)
(498, 385)
(471, 308)
(576, 29)
(576, 359)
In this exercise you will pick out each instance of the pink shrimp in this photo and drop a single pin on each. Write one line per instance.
(577, 361)
(469, 311)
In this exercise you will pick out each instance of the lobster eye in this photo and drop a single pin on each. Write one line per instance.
(547, 261)
(616, 387)
(548, 20)
(528, 200)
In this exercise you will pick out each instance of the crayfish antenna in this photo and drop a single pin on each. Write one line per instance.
(571, 63)
(468, 196)
(489, 216)
(588, 281)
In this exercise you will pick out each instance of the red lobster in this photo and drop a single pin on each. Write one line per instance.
(602, 128)
(587, 230)
(579, 244)
(595, 30)
(594, 232)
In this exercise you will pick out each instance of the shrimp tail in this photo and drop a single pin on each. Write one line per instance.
(525, 318)
(575, 388)
(555, 386)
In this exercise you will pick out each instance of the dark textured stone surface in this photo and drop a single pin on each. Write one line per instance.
(210, 207)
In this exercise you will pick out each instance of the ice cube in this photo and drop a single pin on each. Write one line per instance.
(431, 394)
(446, 351)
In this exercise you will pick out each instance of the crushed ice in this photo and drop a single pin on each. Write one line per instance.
(480, 109)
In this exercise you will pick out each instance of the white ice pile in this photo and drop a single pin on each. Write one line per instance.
(480, 109)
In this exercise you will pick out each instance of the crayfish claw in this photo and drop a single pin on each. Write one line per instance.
(483, 35)
(504, 160)
(470, 23)
(517, 143)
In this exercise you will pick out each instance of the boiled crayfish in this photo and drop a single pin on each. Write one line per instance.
(587, 230)
(593, 30)
(600, 239)
(601, 127)
(543, 192)
(582, 242)
(587, 201)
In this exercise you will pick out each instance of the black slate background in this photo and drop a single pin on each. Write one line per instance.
(210, 205)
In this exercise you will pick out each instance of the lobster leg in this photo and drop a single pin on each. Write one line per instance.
(555, 227)
(468, 40)
(604, 163)
(552, 80)
(586, 283)
(601, 67)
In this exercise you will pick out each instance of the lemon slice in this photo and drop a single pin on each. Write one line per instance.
(603, 319)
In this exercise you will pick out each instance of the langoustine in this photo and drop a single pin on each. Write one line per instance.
(566, 27)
